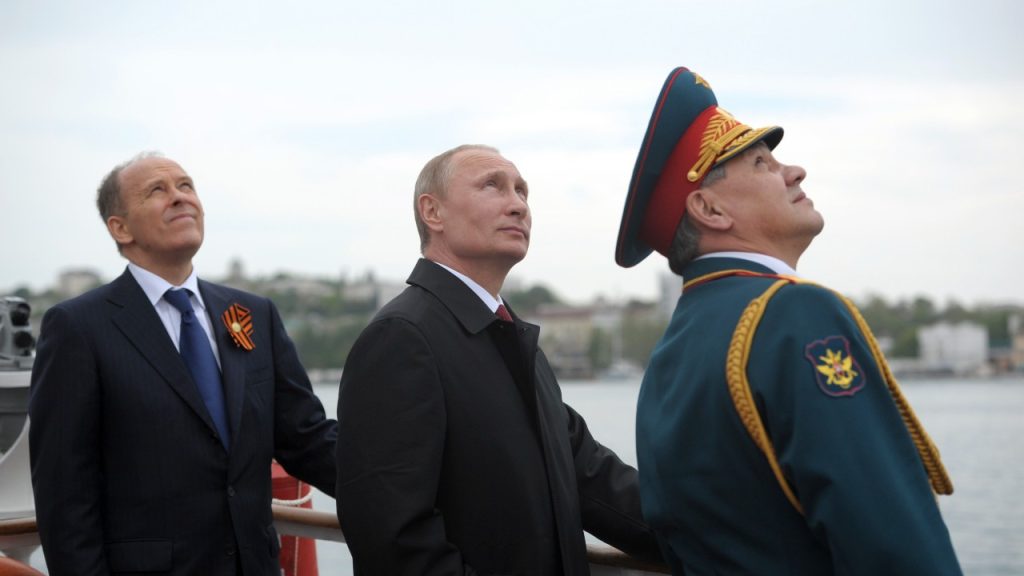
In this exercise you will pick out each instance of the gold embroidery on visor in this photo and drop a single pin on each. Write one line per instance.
(723, 138)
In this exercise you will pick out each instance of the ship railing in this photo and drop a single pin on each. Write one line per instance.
(21, 534)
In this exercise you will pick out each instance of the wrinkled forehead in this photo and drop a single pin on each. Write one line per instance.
(481, 158)
(145, 170)
(475, 163)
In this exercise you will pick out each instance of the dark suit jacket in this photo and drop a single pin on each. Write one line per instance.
(128, 472)
(456, 454)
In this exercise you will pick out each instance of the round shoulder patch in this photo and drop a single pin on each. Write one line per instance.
(835, 368)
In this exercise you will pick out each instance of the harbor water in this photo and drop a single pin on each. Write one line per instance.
(977, 424)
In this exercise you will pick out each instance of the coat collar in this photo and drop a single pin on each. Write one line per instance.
(460, 300)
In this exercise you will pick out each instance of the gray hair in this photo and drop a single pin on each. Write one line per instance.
(686, 241)
(108, 196)
(433, 179)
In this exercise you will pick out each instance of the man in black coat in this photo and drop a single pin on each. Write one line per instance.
(456, 454)
(137, 467)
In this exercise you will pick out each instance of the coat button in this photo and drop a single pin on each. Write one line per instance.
(231, 491)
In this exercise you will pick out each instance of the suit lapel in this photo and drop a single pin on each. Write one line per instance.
(518, 350)
(232, 358)
(138, 321)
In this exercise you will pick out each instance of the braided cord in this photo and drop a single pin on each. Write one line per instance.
(739, 385)
(743, 399)
(930, 458)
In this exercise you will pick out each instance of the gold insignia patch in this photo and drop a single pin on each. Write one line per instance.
(835, 369)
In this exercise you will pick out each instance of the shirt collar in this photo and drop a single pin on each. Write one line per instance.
(155, 286)
(491, 302)
(776, 265)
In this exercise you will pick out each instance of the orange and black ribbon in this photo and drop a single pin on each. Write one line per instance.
(239, 323)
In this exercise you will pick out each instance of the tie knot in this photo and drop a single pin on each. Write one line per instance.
(502, 313)
(180, 300)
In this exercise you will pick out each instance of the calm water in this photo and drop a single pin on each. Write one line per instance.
(978, 425)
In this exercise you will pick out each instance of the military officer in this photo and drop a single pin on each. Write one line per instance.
(772, 437)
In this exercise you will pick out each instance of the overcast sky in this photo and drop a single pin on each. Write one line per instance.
(305, 124)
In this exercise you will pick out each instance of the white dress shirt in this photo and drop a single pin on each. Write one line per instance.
(155, 286)
(491, 302)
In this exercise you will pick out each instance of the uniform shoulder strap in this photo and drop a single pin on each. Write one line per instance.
(743, 398)
(739, 386)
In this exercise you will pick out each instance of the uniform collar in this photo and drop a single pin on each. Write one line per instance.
(772, 263)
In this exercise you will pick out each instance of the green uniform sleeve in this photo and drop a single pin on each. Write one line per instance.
(840, 439)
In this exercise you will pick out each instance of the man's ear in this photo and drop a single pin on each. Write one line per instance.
(704, 208)
(119, 231)
(431, 212)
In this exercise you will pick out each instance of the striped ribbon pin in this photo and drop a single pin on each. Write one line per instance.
(239, 323)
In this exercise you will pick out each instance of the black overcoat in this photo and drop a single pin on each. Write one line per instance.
(456, 454)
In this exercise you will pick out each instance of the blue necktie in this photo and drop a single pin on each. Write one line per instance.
(195, 350)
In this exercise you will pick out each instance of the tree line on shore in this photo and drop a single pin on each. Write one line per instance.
(325, 324)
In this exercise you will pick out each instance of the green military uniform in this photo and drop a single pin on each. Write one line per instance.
(771, 438)
(771, 435)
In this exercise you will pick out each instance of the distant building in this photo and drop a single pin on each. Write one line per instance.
(304, 286)
(236, 272)
(371, 292)
(387, 291)
(566, 332)
(670, 287)
(582, 341)
(960, 348)
(73, 282)
(1015, 326)
(886, 344)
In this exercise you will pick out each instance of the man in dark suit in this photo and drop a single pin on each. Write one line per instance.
(147, 460)
(456, 454)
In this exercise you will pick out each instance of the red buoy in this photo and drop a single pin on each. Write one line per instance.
(298, 555)
(9, 567)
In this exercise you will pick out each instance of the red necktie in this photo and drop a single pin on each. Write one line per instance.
(503, 314)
